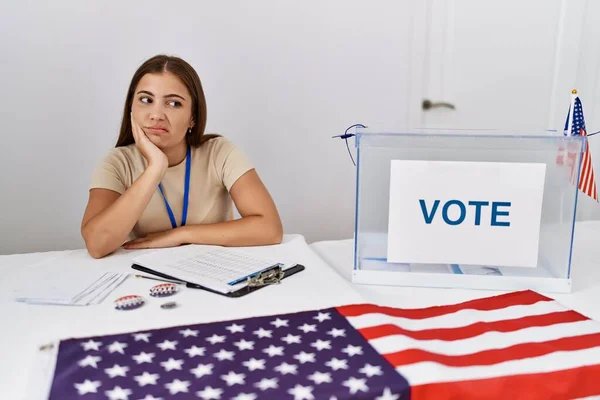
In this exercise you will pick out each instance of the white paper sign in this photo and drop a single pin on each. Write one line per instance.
(477, 213)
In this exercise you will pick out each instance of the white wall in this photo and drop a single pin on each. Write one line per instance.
(280, 78)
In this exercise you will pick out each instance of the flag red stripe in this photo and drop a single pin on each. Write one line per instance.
(566, 384)
(489, 357)
(526, 297)
(476, 329)
(585, 170)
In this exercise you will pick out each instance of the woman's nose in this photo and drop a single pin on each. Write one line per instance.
(157, 112)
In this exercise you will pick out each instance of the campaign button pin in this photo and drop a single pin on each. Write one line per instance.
(163, 290)
(129, 302)
(169, 305)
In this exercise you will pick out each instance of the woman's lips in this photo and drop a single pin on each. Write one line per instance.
(157, 129)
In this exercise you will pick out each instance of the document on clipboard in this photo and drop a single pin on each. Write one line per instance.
(217, 269)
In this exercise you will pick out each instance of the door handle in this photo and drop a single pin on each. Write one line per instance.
(427, 105)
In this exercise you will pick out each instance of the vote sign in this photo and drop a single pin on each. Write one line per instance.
(471, 213)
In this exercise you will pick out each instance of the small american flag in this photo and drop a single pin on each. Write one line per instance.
(515, 345)
(587, 181)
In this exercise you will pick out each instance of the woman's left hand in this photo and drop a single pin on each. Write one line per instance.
(170, 238)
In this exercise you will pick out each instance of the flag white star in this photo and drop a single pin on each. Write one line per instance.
(233, 379)
(142, 336)
(118, 393)
(150, 397)
(168, 345)
(87, 386)
(116, 370)
(244, 345)
(285, 368)
(322, 317)
(322, 344)
(371, 370)
(302, 392)
(303, 357)
(265, 384)
(195, 351)
(273, 351)
(178, 386)
(235, 328)
(189, 332)
(354, 385)
(289, 339)
(308, 328)
(336, 364)
(210, 393)
(91, 345)
(214, 339)
(387, 395)
(202, 370)
(352, 350)
(335, 332)
(254, 364)
(91, 361)
(172, 364)
(144, 358)
(262, 333)
(146, 379)
(245, 396)
(278, 323)
(117, 347)
(224, 355)
(320, 377)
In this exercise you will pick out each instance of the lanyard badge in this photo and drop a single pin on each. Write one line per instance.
(186, 193)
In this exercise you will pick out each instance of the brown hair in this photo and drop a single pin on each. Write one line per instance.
(184, 71)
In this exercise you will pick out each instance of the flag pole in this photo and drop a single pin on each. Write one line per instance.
(571, 111)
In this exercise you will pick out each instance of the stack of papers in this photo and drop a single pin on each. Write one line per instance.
(75, 287)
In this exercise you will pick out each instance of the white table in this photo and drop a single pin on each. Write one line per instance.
(26, 327)
(585, 297)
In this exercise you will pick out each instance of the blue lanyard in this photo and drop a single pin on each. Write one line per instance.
(186, 194)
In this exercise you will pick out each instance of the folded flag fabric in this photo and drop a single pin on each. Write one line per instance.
(516, 345)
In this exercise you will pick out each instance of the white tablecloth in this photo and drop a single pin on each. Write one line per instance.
(25, 327)
(585, 297)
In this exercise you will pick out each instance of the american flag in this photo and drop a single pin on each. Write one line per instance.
(515, 345)
(587, 181)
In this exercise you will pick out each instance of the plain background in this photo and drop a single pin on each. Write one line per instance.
(281, 78)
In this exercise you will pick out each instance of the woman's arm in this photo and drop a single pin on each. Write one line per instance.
(260, 223)
(109, 217)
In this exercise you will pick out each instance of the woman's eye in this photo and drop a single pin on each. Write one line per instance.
(174, 103)
(147, 100)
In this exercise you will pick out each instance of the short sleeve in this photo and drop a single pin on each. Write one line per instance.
(110, 173)
(230, 162)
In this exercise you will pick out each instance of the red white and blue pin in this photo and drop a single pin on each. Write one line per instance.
(129, 302)
(163, 290)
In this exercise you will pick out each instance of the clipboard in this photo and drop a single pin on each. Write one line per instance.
(265, 278)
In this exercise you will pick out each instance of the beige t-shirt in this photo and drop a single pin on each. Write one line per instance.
(215, 167)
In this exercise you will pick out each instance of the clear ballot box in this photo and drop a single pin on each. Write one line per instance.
(478, 210)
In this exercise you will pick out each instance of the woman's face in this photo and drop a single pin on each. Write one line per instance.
(162, 107)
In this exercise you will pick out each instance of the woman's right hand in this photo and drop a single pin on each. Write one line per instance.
(149, 150)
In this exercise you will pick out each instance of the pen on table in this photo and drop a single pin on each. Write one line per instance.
(158, 279)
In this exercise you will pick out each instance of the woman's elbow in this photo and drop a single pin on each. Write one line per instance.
(275, 235)
(95, 250)
(96, 246)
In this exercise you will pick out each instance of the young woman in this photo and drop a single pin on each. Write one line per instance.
(166, 183)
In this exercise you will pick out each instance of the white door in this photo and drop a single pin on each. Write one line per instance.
(497, 65)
